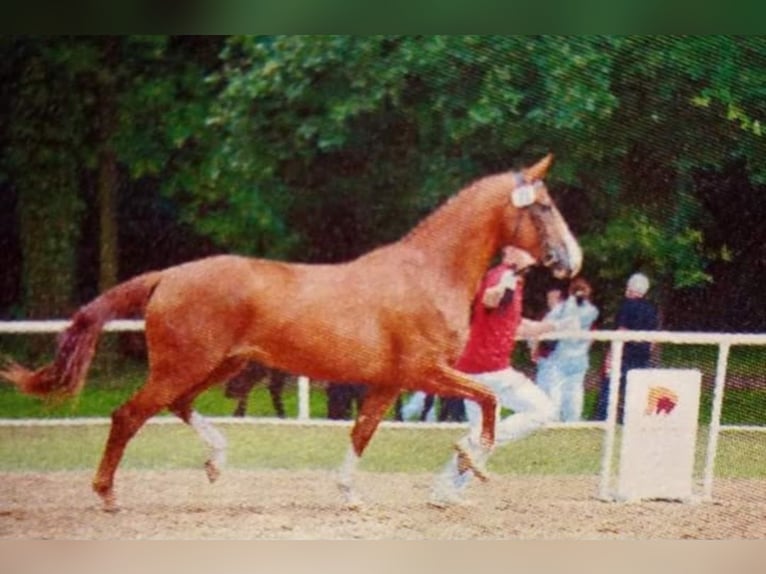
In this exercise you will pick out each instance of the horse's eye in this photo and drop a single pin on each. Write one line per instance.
(541, 208)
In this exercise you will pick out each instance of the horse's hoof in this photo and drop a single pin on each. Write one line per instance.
(106, 494)
(110, 505)
(212, 470)
(111, 508)
(469, 459)
(353, 505)
(351, 500)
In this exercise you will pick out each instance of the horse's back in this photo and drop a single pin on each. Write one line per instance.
(201, 306)
(350, 321)
(284, 315)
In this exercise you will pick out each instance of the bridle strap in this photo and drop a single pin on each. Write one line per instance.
(518, 181)
(523, 200)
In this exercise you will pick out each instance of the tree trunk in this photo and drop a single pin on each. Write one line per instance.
(106, 192)
(49, 224)
(41, 149)
(107, 169)
(107, 217)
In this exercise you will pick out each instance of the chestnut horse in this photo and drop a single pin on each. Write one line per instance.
(395, 318)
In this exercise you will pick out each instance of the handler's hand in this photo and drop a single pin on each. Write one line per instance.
(492, 297)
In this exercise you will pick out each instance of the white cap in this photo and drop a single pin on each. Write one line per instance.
(638, 283)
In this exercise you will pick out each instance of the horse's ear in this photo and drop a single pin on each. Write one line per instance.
(539, 170)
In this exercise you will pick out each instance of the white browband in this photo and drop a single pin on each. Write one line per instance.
(524, 194)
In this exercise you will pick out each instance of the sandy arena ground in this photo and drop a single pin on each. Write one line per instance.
(306, 505)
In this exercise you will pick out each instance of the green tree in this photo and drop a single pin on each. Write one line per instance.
(105, 109)
(322, 147)
(43, 147)
(374, 131)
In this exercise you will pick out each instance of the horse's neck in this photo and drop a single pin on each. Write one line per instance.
(462, 236)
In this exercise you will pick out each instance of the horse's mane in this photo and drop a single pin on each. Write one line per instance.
(465, 199)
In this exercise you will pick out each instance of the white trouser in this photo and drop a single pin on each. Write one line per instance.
(531, 410)
(546, 373)
(567, 395)
(413, 407)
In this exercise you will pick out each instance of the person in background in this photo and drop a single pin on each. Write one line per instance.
(568, 362)
(540, 351)
(635, 313)
(418, 406)
(341, 398)
(451, 409)
(240, 386)
(448, 409)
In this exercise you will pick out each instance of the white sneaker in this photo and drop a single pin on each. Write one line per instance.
(445, 494)
(472, 457)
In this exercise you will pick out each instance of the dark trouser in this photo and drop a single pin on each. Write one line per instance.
(450, 409)
(340, 399)
(239, 387)
(603, 395)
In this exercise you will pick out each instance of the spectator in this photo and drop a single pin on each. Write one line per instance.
(341, 398)
(635, 313)
(496, 320)
(449, 409)
(239, 387)
(565, 367)
(540, 351)
(418, 406)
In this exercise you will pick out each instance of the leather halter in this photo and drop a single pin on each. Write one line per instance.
(520, 183)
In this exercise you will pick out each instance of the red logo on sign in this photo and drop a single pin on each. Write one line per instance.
(661, 400)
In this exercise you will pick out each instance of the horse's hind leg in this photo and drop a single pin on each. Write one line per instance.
(126, 421)
(181, 406)
(210, 435)
(374, 406)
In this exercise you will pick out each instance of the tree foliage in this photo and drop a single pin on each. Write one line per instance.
(80, 109)
(345, 140)
(321, 147)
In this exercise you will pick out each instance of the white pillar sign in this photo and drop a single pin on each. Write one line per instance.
(659, 434)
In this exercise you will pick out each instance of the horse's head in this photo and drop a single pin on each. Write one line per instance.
(536, 225)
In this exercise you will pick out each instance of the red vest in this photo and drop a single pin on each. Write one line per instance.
(493, 331)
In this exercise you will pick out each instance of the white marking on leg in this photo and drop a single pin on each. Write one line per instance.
(211, 436)
(449, 485)
(347, 470)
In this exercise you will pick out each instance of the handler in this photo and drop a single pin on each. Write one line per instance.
(495, 322)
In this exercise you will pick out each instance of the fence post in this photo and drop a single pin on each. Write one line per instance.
(303, 398)
(715, 419)
(615, 370)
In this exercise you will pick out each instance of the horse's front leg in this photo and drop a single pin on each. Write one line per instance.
(376, 402)
(472, 451)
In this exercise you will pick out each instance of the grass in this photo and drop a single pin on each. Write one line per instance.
(740, 454)
(264, 446)
(111, 382)
(105, 392)
(742, 406)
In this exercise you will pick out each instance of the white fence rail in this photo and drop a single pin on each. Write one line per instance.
(724, 342)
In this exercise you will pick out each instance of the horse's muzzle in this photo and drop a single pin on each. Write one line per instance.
(564, 264)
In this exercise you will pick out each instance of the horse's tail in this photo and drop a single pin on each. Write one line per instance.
(65, 376)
